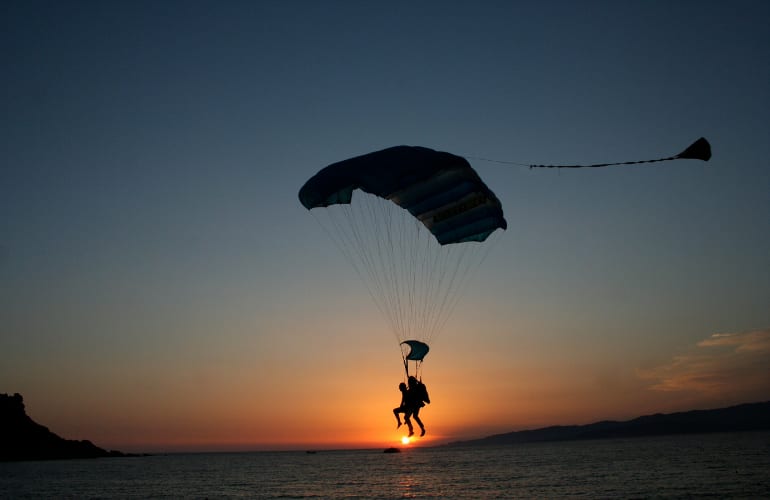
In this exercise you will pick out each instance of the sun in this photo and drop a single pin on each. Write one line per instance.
(405, 440)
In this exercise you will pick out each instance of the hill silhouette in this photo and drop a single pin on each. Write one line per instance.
(744, 417)
(24, 439)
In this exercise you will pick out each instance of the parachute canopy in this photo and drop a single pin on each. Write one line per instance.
(420, 222)
(417, 351)
(440, 189)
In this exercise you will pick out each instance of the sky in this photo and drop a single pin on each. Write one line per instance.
(162, 288)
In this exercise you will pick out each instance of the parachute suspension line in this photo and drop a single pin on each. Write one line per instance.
(375, 239)
(414, 281)
(505, 162)
(456, 279)
(468, 257)
(389, 246)
(407, 275)
(417, 369)
(438, 272)
(343, 226)
(424, 261)
(377, 253)
(400, 251)
(452, 291)
(433, 288)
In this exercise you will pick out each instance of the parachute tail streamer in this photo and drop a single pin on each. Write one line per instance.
(698, 150)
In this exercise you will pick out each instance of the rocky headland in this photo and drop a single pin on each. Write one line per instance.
(21, 438)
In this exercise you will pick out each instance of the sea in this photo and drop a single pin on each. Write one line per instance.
(728, 465)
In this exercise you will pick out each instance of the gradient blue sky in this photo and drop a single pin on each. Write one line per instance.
(161, 287)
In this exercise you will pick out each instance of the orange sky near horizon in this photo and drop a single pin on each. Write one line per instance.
(347, 403)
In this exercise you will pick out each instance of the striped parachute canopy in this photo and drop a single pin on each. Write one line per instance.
(440, 189)
(414, 223)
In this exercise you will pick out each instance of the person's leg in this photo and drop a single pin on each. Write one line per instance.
(408, 423)
(396, 411)
(416, 415)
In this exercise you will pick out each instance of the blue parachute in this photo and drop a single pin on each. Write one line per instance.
(440, 189)
(414, 230)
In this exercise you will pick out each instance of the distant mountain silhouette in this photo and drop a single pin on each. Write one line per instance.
(745, 417)
(23, 439)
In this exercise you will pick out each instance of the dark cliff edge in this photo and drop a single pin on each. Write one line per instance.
(744, 417)
(21, 438)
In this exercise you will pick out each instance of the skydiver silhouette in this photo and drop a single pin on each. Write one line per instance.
(416, 397)
(404, 408)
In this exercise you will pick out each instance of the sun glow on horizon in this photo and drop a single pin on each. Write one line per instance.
(406, 440)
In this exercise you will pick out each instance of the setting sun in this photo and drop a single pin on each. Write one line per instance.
(405, 440)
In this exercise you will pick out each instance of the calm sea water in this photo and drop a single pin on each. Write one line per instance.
(734, 465)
